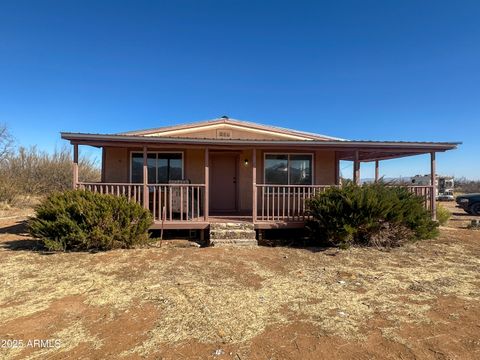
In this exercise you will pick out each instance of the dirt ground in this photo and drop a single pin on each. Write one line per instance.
(183, 302)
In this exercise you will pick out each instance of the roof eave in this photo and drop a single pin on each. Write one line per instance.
(85, 138)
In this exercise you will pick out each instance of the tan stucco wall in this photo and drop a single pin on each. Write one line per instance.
(116, 164)
(194, 165)
(245, 187)
(324, 169)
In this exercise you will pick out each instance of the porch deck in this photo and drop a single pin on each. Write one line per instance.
(201, 225)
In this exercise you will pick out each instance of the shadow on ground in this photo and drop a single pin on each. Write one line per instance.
(22, 240)
(24, 245)
(19, 228)
(461, 214)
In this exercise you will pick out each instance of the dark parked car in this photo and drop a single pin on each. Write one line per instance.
(470, 203)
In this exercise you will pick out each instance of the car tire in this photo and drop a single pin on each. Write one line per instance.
(475, 209)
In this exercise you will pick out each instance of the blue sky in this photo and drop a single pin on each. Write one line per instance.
(378, 70)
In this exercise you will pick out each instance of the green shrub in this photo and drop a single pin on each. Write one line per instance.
(443, 215)
(83, 220)
(373, 214)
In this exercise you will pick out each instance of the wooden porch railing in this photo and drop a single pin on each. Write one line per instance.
(287, 202)
(426, 193)
(133, 192)
(182, 202)
(186, 202)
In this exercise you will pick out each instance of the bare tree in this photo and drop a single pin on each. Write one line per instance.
(32, 172)
(6, 142)
(463, 185)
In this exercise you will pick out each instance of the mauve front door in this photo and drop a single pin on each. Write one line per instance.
(223, 182)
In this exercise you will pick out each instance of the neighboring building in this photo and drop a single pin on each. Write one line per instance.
(444, 185)
(228, 169)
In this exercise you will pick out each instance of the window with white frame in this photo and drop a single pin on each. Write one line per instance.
(162, 167)
(288, 169)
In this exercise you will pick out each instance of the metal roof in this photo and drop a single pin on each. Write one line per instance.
(124, 138)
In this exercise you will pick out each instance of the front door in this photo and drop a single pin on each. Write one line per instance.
(223, 182)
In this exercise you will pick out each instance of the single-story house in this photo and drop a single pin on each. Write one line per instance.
(192, 175)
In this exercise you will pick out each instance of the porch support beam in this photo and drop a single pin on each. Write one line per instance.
(356, 168)
(377, 170)
(254, 181)
(433, 194)
(337, 169)
(207, 185)
(104, 157)
(75, 166)
(145, 178)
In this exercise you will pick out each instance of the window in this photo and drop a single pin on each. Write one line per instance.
(162, 167)
(288, 169)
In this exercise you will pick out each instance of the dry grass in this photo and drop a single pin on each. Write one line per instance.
(9, 212)
(69, 337)
(233, 295)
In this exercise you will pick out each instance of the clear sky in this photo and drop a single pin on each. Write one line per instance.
(378, 70)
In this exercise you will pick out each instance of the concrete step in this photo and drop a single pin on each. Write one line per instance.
(231, 225)
(232, 234)
(233, 242)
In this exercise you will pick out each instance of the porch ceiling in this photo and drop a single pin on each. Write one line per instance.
(369, 155)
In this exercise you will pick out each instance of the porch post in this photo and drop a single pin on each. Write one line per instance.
(377, 171)
(433, 195)
(104, 156)
(207, 185)
(145, 178)
(75, 166)
(337, 169)
(254, 182)
(356, 168)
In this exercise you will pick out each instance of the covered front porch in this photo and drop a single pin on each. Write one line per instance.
(186, 204)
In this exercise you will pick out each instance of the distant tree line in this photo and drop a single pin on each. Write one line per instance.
(463, 185)
(27, 173)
